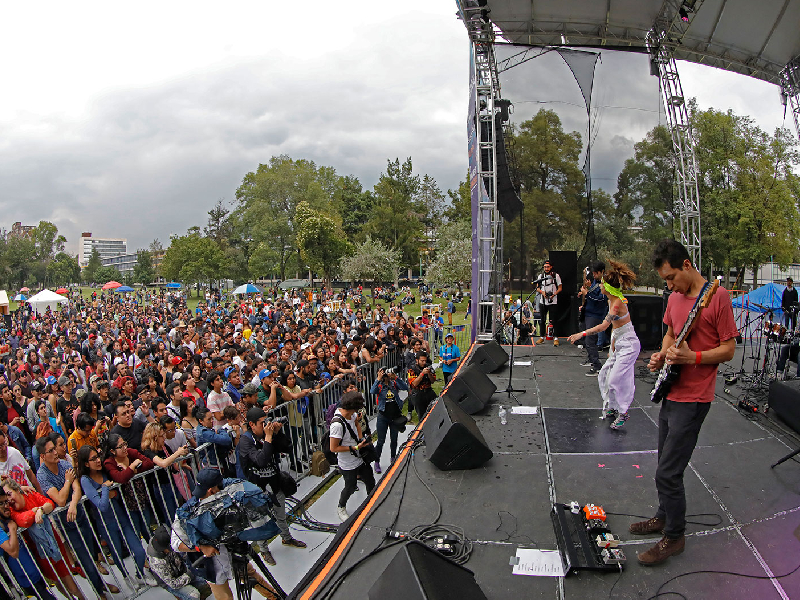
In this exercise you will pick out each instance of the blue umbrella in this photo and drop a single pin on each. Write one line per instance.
(173, 285)
(246, 288)
(20, 298)
(123, 289)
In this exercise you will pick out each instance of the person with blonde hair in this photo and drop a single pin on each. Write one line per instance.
(153, 447)
(616, 377)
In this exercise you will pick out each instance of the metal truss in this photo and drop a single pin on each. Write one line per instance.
(790, 90)
(489, 239)
(666, 35)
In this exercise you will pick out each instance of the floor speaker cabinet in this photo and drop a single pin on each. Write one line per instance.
(647, 315)
(784, 400)
(471, 389)
(418, 573)
(452, 439)
(489, 357)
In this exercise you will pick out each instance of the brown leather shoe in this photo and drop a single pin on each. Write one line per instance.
(662, 551)
(647, 527)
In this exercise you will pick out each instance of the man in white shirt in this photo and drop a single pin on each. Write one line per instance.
(344, 443)
(549, 290)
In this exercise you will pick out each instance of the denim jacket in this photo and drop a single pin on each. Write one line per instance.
(381, 390)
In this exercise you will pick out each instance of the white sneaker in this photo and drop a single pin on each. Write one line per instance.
(343, 516)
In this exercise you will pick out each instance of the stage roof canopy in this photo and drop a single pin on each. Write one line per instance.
(755, 38)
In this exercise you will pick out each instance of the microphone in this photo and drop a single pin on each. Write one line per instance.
(541, 279)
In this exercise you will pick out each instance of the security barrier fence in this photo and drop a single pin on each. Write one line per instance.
(65, 547)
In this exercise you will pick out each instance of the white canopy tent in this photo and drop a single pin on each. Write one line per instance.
(46, 299)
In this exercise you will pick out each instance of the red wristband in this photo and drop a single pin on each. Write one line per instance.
(698, 356)
(584, 334)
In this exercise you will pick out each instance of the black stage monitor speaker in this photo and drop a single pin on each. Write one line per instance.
(471, 389)
(489, 357)
(419, 573)
(647, 314)
(784, 399)
(565, 317)
(452, 439)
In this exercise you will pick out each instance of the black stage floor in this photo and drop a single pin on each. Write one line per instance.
(565, 453)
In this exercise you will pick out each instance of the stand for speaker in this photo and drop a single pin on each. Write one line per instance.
(787, 457)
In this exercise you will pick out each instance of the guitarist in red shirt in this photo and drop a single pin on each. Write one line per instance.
(712, 340)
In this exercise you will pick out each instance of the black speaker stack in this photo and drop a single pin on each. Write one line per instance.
(419, 573)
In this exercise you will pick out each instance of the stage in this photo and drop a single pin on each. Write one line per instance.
(565, 453)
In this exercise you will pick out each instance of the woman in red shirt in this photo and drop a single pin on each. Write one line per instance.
(29, 510)
(121, 464)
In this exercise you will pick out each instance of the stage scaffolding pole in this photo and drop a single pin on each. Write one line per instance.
(487, 237)
(662, 40)
(790, 91)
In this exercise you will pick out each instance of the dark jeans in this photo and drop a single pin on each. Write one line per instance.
(350, 478)
(552, 310)
(81, 541)
(421, 399)
(448, 376)
(678, 427)
(385, 423)
(591, 341)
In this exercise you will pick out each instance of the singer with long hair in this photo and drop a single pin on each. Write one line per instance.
(616, 377)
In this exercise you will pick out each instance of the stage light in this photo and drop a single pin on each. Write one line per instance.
(684, 15)
(485, 16)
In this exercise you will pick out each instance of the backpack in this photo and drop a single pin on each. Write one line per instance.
(330, 457)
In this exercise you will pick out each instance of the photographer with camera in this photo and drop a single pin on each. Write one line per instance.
(390, 410)
(258, 458)
(421, 377)
(219, 570)
(347, 443)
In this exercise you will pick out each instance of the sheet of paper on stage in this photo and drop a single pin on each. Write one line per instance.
(525, 410)
(522, 363)
(537, 563)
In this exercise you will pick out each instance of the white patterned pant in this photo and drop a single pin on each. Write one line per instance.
(616, 376)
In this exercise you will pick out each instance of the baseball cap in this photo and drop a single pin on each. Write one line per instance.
(265, 373)
(254, 414)
(176, 360)
(102, 383)
(161, 539)
(63, 380)
(35, 386)
(449, 335)
(51, 380)
(207, 479)
(228, 371)
(80, 394)
(249, 389)
(93, 378)
(21, 369)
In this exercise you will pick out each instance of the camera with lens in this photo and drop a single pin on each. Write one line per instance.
(281, 420)
(390, 371)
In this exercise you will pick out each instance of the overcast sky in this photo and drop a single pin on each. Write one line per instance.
(131, 120)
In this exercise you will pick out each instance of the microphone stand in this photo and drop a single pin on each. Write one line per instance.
(510, 389)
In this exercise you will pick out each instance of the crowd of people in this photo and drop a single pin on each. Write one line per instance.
(105, 400)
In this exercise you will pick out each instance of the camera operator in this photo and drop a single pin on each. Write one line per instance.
(390, 408)
(343, 426)
(258, 451)
(219, 571)
(421, 378)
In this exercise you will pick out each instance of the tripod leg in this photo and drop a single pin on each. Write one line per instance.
(278, 590)
(785, 458)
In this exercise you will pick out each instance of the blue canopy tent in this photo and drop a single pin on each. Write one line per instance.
(173, 285)
(748, 308)
(123, 289)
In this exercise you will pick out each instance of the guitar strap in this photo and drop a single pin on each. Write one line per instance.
(694, 307)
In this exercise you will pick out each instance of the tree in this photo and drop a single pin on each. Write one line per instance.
(90, 270)
(18, 256)
(219, 226)
(63, 269)
(396, 218)
(552, 188)
(268, 197)
(320, 239)
(371, 261)
(192, 258)
(354, 204)
(460, 208)
(143, 271)
(453, 262)
(106, 274)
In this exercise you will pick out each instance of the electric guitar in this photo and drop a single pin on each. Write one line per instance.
(669, 373)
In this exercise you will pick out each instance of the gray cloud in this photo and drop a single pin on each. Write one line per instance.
(149, 161)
